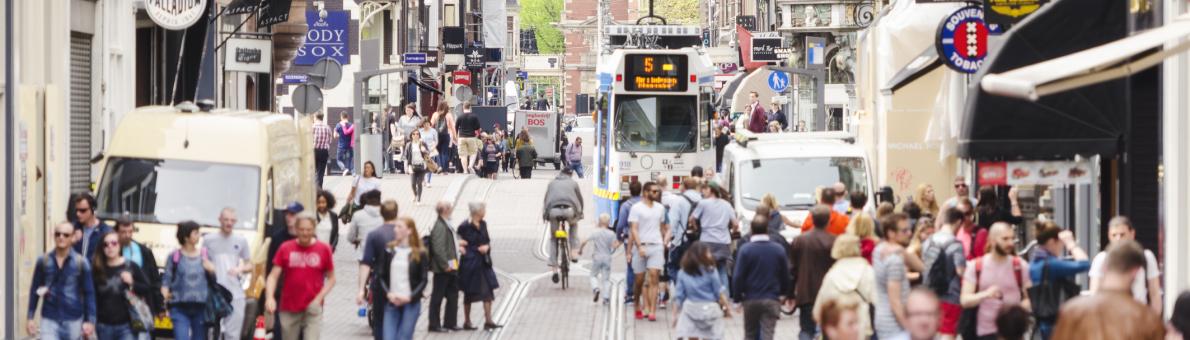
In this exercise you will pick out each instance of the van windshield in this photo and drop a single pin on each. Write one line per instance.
(793, 181)
(173, 191)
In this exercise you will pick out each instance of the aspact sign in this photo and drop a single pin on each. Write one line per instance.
(963, 40)
(326, 37)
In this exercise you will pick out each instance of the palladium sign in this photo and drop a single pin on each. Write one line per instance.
(175, 14)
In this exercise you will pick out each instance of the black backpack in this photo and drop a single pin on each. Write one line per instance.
(941, 271)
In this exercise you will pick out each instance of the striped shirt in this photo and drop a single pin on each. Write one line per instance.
(322, 136)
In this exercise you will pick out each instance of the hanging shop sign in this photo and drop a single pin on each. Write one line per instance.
(764, 46)
(963, 39)
(175, 14)
(248, 55)
(475, 57)
(453, 40)
(414, 58)
(1035, 173)
(748, 21)
(273, 12)
(326, 37)
(238, 7)
(1008, 12)
(461, 77)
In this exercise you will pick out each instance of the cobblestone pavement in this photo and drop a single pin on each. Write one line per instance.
(527, 303)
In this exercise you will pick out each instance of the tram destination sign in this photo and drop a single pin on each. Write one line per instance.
(655, 72)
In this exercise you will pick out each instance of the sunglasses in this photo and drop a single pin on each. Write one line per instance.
(83, 211)
(960, 185)
(58, 234)
(112, 243)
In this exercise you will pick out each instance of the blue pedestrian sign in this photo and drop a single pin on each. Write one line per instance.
(778, 81)
(414, 58)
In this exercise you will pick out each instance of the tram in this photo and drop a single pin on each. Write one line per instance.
(654, 118)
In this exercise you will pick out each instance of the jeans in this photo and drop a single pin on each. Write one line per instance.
(399, 322)
(577, 167)
(189, 321)
(344, 157)
(443, 157)
(445, 286)
(1046, 329)
(233, 324)
(114, 332)
(629, 279)
(526, 172)
(61, 330)
(601, 272)
(806, 321)
(418, 180)
(321, 156)
(760, 319)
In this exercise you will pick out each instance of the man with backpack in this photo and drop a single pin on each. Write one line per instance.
(1054, 274)
(945, 263)
(994, 280)
(63, 279)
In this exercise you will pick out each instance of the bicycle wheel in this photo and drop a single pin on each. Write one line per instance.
(564, 261)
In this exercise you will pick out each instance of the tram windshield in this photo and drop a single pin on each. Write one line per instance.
(656, 123)
(172, 191)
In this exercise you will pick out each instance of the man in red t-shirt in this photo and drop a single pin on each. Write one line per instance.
(838, 224)
(309, 276)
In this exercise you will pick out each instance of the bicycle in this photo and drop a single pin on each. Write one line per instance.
(562, 252)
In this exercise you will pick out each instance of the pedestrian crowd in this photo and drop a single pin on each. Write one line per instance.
(925, 270)
(99, 283)
(422, 146)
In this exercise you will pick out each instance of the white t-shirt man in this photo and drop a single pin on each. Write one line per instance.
(1140, 284)
(648, 220)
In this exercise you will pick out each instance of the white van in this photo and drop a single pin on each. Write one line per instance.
(167, 164)
(791, 167)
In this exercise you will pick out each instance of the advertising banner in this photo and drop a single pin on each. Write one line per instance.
(329, 37)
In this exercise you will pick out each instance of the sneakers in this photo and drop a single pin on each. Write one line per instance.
(596, 290)
(661, 304)
(639, 315)
(653, 317)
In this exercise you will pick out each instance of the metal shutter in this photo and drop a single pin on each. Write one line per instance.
(80, 112)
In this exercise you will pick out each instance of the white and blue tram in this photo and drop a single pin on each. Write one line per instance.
(654, 118)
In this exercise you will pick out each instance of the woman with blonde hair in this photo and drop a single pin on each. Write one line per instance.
(864, 228)
(925, 229)
(404, 275)
(924, 197)
(850, 277)
(775, 217)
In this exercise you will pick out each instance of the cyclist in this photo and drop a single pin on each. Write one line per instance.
(563, 202)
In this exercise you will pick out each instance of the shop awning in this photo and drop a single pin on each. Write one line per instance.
(1089, 120)
(921, 65)
(1106, 62)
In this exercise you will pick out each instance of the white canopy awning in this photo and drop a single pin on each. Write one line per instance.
(1095, 65)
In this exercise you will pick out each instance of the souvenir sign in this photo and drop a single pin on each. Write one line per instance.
(963, 39)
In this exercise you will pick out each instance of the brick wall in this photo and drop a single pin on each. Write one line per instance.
(579, 51)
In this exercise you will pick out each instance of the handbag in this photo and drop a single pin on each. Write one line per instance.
(430, 164)
(703, 312)
(346, 211)
(1048, 296)
(218, 302)
(140, 314)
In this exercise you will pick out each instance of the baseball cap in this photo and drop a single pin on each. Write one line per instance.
(294, 208)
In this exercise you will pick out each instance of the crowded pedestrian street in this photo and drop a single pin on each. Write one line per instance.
(595, 169)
